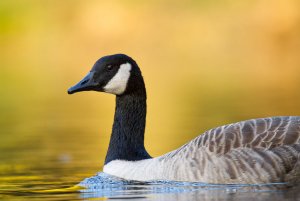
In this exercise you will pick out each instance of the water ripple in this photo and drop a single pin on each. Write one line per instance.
(104, 185)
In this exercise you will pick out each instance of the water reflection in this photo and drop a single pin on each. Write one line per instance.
(56, 182)
(103, 185)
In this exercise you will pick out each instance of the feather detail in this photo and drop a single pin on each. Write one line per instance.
(262, 150)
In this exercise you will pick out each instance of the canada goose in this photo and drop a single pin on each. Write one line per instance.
(262, 150)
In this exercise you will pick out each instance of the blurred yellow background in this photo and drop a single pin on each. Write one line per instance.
(206, 63)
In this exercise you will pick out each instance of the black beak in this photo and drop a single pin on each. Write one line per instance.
(86, 84)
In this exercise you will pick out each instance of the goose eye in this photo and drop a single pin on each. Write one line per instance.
(109, 67)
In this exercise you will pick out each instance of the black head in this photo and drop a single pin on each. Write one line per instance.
(110, 74)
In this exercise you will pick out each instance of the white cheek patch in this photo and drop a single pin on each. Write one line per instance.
(118, 83)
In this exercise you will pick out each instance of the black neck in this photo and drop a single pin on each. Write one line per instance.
(127, 138)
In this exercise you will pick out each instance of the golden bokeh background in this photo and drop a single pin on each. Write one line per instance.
(205, 62)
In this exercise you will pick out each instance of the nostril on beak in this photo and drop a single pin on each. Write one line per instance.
(84, 82)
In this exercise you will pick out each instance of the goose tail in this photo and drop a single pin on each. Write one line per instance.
(294, 176)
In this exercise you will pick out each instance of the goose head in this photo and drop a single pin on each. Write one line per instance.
(120, 75)
(116, 74)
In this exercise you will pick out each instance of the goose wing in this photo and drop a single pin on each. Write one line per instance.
(254, 151)
(266, 133)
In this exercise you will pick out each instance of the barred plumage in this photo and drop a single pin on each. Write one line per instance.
(262, 150)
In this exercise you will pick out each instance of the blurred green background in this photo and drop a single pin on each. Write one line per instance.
(206, 63)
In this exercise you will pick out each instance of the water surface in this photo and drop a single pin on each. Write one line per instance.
(103, 186)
